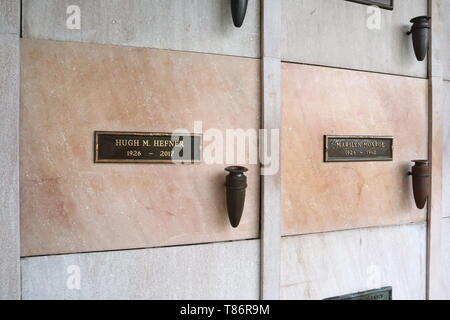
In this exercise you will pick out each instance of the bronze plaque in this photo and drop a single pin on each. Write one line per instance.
(376, 294)
(358, 148)
(140, 147)
(385, 4)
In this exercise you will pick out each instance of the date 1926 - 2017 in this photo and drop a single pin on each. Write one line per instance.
(226, 309)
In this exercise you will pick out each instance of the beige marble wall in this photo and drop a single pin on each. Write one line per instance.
(227, 270)
(10, 16)
(318, 101)
(70, 204)
(324, 265)
(194, 25)
(444, 45)
(445, 256)
(9, 169)
(446, 149)
(346, 34)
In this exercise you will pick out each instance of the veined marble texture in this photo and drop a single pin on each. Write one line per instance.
(446, 150)
(445, 255)
(227, 270)
(324, 265)
(69, 90)
(10, 17)
(444, 7)
(352, 35)
(320, 196)
(194, 25)
(9, 170)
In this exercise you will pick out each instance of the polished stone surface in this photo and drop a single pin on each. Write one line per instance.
(9, 169)
(211, 271)
(345, 34)
(194, 25)
(10, 17)
(318, 101)
(445, 256)
(319, 266)
(446, 150)
(70, 204)
(444, 7)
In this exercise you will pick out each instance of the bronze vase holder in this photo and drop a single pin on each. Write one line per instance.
(420, 31)
(421, 180)
(238, 11)
(236, 183)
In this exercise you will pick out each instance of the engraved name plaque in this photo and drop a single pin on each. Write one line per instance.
(376, 294)
(385, 4)
(139, 147)
(358, 148)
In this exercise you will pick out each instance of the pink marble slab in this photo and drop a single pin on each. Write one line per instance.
(70, 204)
(318, 101)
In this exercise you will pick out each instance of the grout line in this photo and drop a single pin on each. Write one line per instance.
(424, 222)
(20, 17)
(20, 276)
(430, 153)
(137, 249)
(356, 70)
(144, 47)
